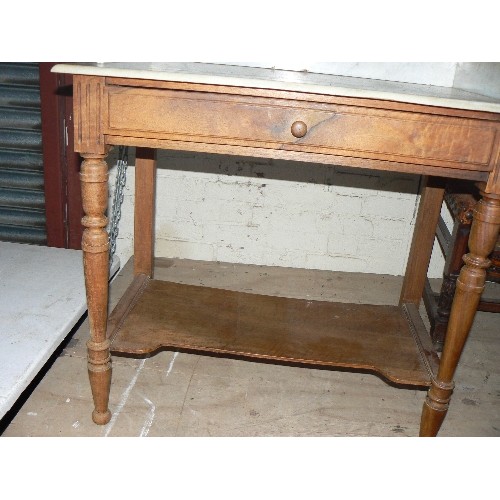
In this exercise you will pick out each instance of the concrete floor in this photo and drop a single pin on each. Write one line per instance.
(177, 394)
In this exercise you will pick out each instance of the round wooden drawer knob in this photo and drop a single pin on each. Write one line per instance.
(299, 129)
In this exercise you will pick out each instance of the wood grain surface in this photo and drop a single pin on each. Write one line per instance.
(335, 129)
(196, 318)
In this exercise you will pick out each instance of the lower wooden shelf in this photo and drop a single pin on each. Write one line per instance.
(154, 315)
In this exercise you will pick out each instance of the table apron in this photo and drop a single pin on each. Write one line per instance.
(265, 123)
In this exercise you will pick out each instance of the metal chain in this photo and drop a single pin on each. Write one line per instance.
(116, 211)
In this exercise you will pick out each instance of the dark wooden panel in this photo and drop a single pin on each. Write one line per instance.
(63, 198)
(53, 156)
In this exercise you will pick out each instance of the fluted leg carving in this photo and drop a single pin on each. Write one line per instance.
(94, 181)
(470, 284)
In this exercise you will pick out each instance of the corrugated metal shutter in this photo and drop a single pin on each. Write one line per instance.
(22, 200)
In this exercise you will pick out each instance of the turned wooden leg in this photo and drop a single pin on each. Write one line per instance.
(470, 284)
(95, 245)
(144, 211)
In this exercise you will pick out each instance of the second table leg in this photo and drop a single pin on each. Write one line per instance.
(470, 284)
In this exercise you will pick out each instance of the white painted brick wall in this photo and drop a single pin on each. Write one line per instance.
(234, 209)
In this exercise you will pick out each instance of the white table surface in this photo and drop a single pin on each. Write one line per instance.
(299, 81)
(42, 296)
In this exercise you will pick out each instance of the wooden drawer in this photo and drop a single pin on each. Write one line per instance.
(341, 130)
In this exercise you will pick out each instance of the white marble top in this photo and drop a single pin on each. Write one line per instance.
(42, 296)
(300, 81)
